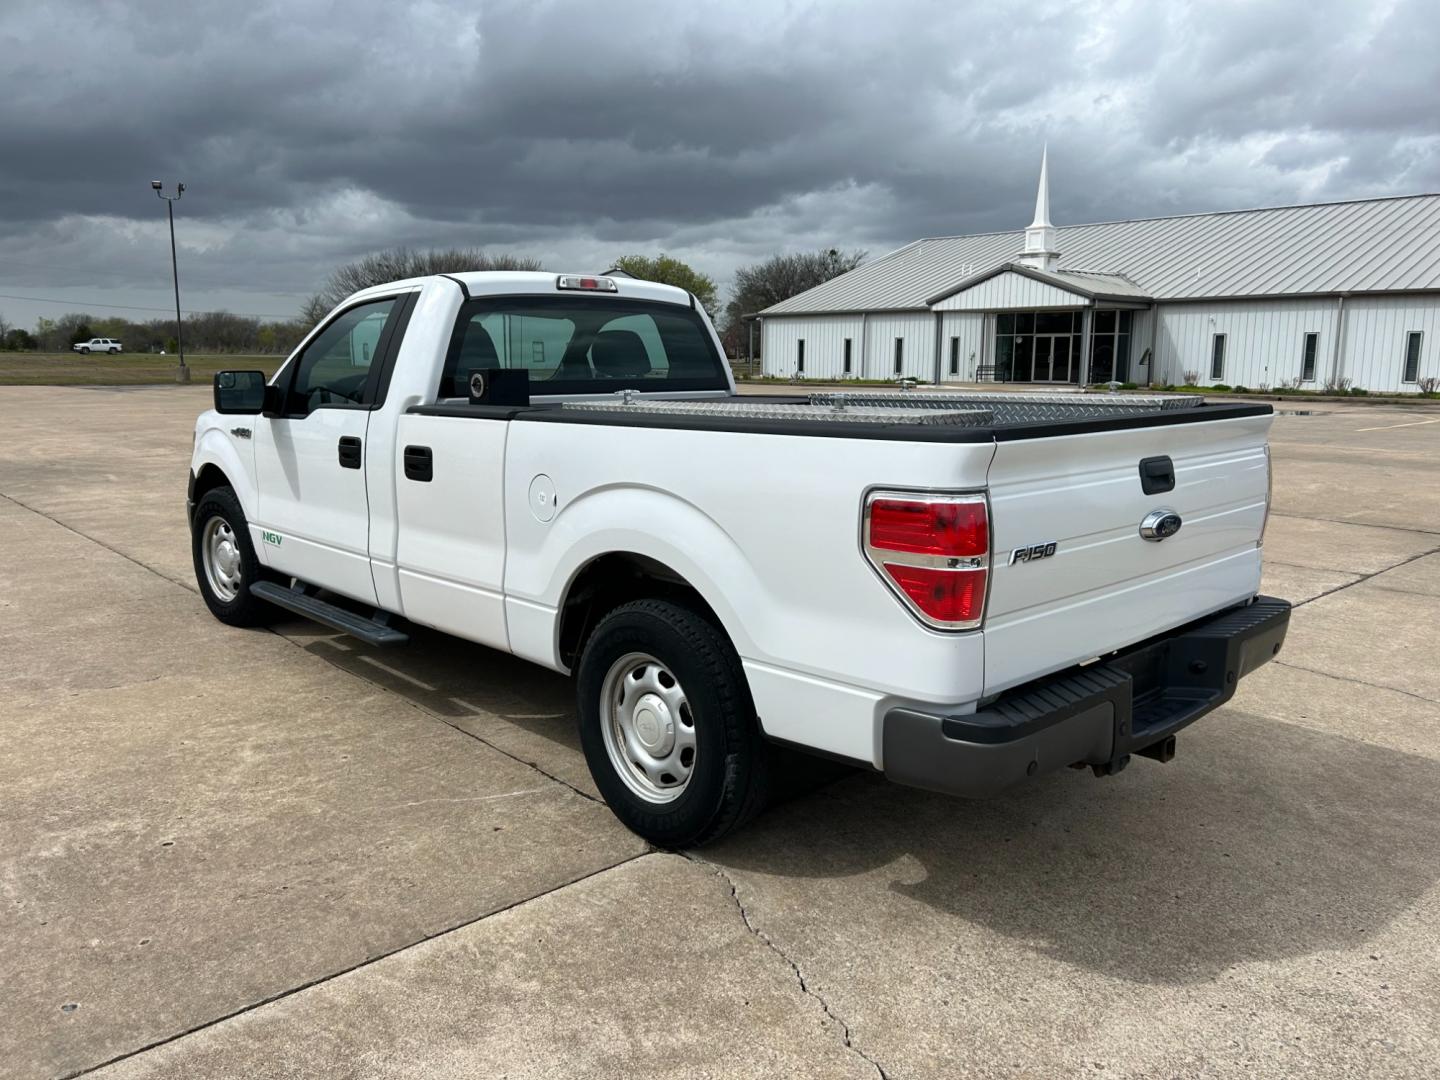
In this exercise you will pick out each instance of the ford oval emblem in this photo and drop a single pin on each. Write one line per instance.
(1160, 524)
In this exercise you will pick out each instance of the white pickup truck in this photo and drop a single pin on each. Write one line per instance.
(960, 590)
(98, 344)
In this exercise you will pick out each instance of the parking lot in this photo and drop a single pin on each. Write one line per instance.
(271, 854)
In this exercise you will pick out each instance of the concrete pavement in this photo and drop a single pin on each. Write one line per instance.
(283, 854)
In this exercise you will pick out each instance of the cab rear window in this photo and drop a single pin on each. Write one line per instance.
(578, 345)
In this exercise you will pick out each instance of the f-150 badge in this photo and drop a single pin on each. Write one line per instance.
(1033, 553)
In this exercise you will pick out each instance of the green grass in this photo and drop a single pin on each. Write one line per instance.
(124, 369)
(1379, 397)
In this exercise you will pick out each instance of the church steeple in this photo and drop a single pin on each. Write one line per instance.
(1040, 236)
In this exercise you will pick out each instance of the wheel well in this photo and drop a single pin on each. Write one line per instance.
(605, 583)
(209, 479)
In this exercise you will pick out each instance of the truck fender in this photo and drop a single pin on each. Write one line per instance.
(675, 533)
(213, 447)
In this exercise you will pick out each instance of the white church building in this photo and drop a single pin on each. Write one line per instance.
(1332, 294)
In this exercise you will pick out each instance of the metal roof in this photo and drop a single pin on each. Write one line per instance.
(1084, 282)
(1372, 245)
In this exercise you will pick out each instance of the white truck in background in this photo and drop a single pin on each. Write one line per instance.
(98, 344)
(962, 590)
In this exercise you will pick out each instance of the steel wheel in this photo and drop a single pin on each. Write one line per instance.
(223, 567)
(648, 728)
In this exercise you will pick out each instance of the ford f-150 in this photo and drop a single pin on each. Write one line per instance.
(963, 590)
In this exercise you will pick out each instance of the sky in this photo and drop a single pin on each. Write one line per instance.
(310, 132)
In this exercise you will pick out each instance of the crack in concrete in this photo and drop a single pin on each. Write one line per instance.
(100, 543)
(1366, 577)
(320, 980)
(804, 984)
(1357, 682)
(1361, 524)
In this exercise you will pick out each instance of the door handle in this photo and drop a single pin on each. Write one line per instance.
(349, 452)
(419, 464)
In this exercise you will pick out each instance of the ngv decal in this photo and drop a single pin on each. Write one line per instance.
(1033, 553)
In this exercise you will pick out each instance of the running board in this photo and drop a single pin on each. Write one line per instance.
(297, 599)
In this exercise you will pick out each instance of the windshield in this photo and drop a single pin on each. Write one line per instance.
(580, 345)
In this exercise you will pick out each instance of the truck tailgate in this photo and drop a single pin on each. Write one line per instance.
(1105, 587)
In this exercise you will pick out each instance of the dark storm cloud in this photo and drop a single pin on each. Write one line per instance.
(307, 132)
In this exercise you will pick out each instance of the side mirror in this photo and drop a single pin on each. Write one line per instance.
(241, 392)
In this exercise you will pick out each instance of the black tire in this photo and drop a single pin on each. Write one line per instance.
(731, 775)
(84, 352)
(242, 609)
(112, 351)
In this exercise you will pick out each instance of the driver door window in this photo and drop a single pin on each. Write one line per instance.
(334, 369)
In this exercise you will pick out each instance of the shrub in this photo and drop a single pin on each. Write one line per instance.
(1429, 384)
(1240, 389)
(1191, 378)
(1337, 386)
(1359, 391)
(1221, 388)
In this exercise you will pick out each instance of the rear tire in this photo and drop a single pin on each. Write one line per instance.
(225, 560)
(668, 726)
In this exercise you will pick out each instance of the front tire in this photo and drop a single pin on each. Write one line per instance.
(84, 352)
(225, 560)
(668, 726)
(113, 351)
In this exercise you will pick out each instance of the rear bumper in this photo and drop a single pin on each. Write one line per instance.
(1099, 715)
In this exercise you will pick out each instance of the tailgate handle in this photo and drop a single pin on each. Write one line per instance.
(1157, 475)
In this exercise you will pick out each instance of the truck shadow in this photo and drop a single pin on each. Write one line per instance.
(508, 702)
(1263, 840)
(464, 684)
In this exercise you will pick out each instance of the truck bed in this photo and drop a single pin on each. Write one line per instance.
(951, 417)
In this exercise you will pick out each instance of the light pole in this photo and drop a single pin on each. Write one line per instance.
(183, 374)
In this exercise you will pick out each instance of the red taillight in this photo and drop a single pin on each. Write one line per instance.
(945, 596)
(929, 528)
(934, 552)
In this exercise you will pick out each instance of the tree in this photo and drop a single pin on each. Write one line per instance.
(670, 271)
(396, 264)
(17, 340)
(778, 278)
(47, 335)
